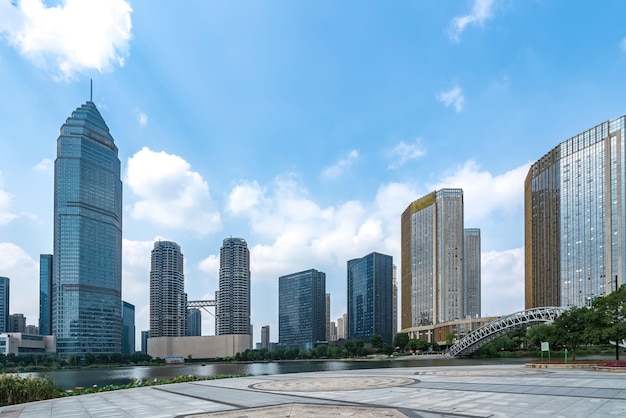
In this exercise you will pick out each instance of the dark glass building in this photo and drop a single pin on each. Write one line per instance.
(302, 309)
(168, 300)
(194, 322)
(4, 304)
(575, 219)
(128, 328)
(45, 287)
(370, 297)
(233, 297)
(87, 256)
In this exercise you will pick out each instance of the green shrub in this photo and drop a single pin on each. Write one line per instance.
(15, 389)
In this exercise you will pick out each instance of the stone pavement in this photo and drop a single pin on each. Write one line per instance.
(428, 392)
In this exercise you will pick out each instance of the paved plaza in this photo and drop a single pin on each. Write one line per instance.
(428, 392)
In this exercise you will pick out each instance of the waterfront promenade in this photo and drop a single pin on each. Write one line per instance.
(429, 392)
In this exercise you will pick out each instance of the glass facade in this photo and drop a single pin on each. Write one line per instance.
(4, 304)
(302, 309)
(471, 265)
(370, 297)
(45, 286)
(87, 265)
(168, 300)
(440, 270)
(575, 214)
(233, 297)
(128, 328)
(194, 322)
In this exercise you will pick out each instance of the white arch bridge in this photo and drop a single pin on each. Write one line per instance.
(487, 333)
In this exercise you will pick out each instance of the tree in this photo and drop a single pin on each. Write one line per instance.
(377, 342)
(571, 328)
(400, 340)
(609, 317)
(539, 333)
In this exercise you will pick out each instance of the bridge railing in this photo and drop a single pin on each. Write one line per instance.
(489, 332)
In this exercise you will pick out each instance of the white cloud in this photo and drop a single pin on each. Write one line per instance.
(6, 214)
(70, 38)
(623, 45)
(453, 97)
(404, 152)
(44, 165)
(23, 273)
(170, 194)
(142, 118)
(343, 164)
(502, 277)
(244, 197)
(485, 193)
(481, 11)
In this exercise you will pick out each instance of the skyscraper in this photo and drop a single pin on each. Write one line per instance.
(575, 219)
(87, 256)
(327, 316)
(370, 297)
(128, 328)
(4, 304)
(302, 309)
(194, 322)
(168, 300)
(233, 297)
(45, 287)
(265, 337)
(471, 266)
(434, 269)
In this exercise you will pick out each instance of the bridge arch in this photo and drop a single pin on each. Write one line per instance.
(489, 332)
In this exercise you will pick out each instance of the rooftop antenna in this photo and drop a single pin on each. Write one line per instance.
(91, 89)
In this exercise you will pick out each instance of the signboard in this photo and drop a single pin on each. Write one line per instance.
(545, 346)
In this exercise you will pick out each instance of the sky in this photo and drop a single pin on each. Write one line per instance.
(305, 127)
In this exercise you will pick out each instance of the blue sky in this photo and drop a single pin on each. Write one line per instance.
(304, 127)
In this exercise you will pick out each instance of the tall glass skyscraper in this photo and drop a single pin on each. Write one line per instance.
(168, 300)
(575, 219)
(370, 297)
(233, 297)
(471, 272)
(302, 309)
(128, 328)
(45, 288)
(87, 257)
(4, 304)
(440, 272)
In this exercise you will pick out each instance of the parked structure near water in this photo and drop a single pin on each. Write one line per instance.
(208, 347)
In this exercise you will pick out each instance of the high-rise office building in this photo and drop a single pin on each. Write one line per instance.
(194, 322)
(233, 297)
(144, 341)
(327, 316)
(370, 297)
(45, 287)
(395, 300)
(4, 304)
(341, 327)
(265, 337)
(433, 270)
(87, 256)
(17, 323)
(471, 266)
(168, 300)
(575, 219)
(302, 309)
(128, 328)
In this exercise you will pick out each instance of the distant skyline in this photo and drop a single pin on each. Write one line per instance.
(305, 128)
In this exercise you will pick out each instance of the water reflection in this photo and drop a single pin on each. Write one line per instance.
(68, 379)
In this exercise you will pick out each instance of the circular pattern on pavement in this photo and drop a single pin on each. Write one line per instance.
(326, 384)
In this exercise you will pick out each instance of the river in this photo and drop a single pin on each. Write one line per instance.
(69, 379)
